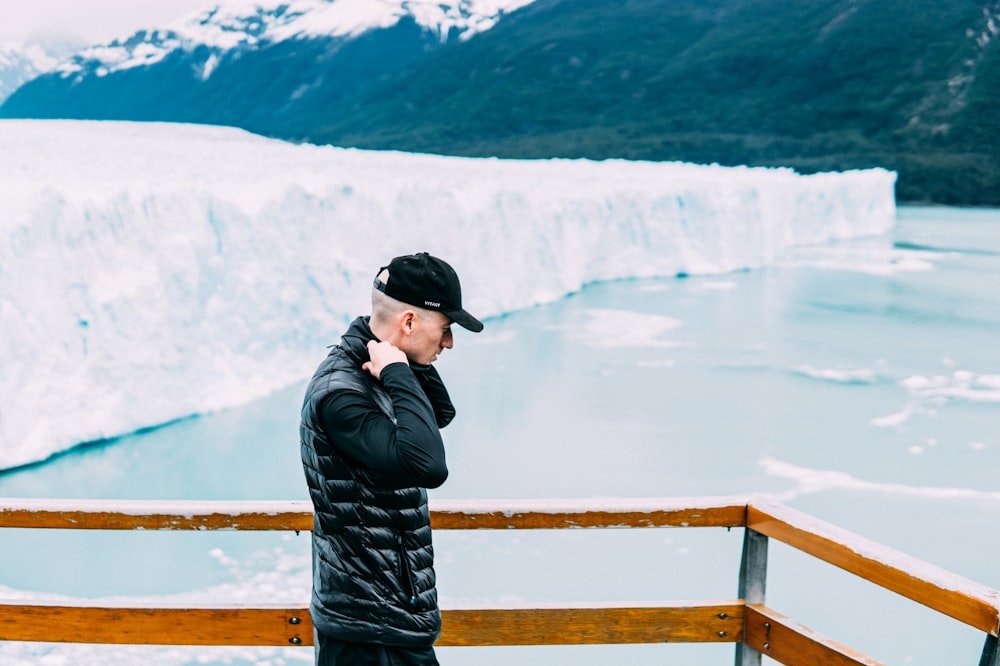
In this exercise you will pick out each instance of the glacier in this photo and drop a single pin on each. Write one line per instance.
(153, 271)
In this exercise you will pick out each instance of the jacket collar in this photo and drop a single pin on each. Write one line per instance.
(355, 340)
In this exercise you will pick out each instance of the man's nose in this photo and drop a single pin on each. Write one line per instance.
(448, 340)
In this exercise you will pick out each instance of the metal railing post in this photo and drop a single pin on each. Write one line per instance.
(753, 584)
(991, 652)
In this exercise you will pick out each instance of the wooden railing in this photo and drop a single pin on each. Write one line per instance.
(745, 621)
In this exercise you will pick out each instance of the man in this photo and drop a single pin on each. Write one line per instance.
(371, 445)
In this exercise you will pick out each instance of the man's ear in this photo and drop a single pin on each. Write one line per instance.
(406, 321)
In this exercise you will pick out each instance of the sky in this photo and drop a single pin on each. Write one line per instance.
(91, 22)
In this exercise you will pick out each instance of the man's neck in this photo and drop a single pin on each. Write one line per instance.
(382, 331)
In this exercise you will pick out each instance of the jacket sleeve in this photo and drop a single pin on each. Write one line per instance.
(405, 454)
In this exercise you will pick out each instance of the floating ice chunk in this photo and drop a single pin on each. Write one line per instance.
(892, 420)
(858, 376)
(810, 481)
(961, 385)
(874, 261)
(625, 328)
(665, 363)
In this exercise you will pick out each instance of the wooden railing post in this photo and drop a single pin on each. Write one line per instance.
(991, 652)
(753, 584)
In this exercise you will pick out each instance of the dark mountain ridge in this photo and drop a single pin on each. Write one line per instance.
(821, 85)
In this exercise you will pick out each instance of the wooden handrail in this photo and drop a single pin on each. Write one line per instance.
(278, 515)
(753, 625)
(787, 641)
(572, 514)
(297, 515)
(659, 622)
(181, 625)
(655, 622)
(960, 598)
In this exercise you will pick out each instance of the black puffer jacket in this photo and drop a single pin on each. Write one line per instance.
(369, 449)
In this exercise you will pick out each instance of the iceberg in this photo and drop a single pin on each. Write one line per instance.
(153, 271)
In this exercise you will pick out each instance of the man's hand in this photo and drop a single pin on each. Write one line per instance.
(382, 354)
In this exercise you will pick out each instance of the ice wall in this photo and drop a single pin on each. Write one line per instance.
(153, 271)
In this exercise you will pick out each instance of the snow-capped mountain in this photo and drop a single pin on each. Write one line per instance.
(23, 62)
(273, 67)
(241, 25)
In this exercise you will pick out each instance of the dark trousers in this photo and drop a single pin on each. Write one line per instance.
(330, 652)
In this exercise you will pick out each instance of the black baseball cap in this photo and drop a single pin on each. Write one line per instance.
(429, 283)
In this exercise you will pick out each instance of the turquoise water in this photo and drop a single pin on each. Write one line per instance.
(859, 382)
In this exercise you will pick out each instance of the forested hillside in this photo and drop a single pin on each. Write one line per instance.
(912, 85)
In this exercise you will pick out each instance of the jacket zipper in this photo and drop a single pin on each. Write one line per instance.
(406, 573)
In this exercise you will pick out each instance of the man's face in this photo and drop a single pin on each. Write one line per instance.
(431, 335)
